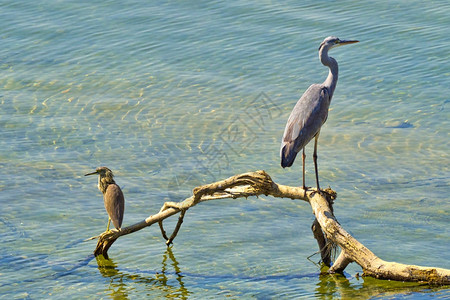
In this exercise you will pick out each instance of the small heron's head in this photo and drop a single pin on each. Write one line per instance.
(105, 178)
(104, 172)
(332, 41)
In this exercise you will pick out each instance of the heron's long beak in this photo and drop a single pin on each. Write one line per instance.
(93, 173)
(344, 42)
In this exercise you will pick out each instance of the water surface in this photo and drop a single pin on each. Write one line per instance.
(174, 95)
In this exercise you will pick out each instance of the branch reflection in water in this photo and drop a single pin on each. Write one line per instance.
(170, 281)
(170, 267)
(358, 287)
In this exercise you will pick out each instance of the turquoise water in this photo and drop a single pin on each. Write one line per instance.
(174, 95)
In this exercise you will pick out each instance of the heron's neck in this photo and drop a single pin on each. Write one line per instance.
(332, 64)
(103, 183)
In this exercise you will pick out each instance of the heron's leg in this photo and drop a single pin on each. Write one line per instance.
(303, 166)
(109, 222)
(315, 161)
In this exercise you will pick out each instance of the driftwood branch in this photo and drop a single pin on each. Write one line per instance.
(326, 229)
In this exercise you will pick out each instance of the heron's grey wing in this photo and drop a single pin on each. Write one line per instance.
(114, 204)
(304, 123)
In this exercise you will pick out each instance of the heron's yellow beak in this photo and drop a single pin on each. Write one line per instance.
(344, 42)
(93, 173)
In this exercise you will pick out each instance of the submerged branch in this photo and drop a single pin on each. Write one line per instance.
(326, 228)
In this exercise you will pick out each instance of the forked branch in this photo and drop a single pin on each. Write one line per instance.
(326, 228)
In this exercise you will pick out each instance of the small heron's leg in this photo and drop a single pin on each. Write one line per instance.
(303, 167)
(315, 161)
(109, 222)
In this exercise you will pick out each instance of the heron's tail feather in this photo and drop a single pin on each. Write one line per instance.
(288, 154)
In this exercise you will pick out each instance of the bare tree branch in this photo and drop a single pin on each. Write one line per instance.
(326, 228)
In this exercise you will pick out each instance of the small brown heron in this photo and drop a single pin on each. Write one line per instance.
(112, 196)
(311, 111)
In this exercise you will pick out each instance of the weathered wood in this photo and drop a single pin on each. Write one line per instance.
(326, 228)
(322, 242)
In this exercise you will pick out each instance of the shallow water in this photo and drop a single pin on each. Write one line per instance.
(174, 95)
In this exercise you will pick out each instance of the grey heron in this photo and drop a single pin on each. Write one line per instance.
(311, 111)
(112, 196)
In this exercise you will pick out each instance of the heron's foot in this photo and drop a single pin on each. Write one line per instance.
(305, 189)
(319, 191)
(111, 231)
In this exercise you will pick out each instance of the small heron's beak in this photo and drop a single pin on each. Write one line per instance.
(344, 42)
(93, 173)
